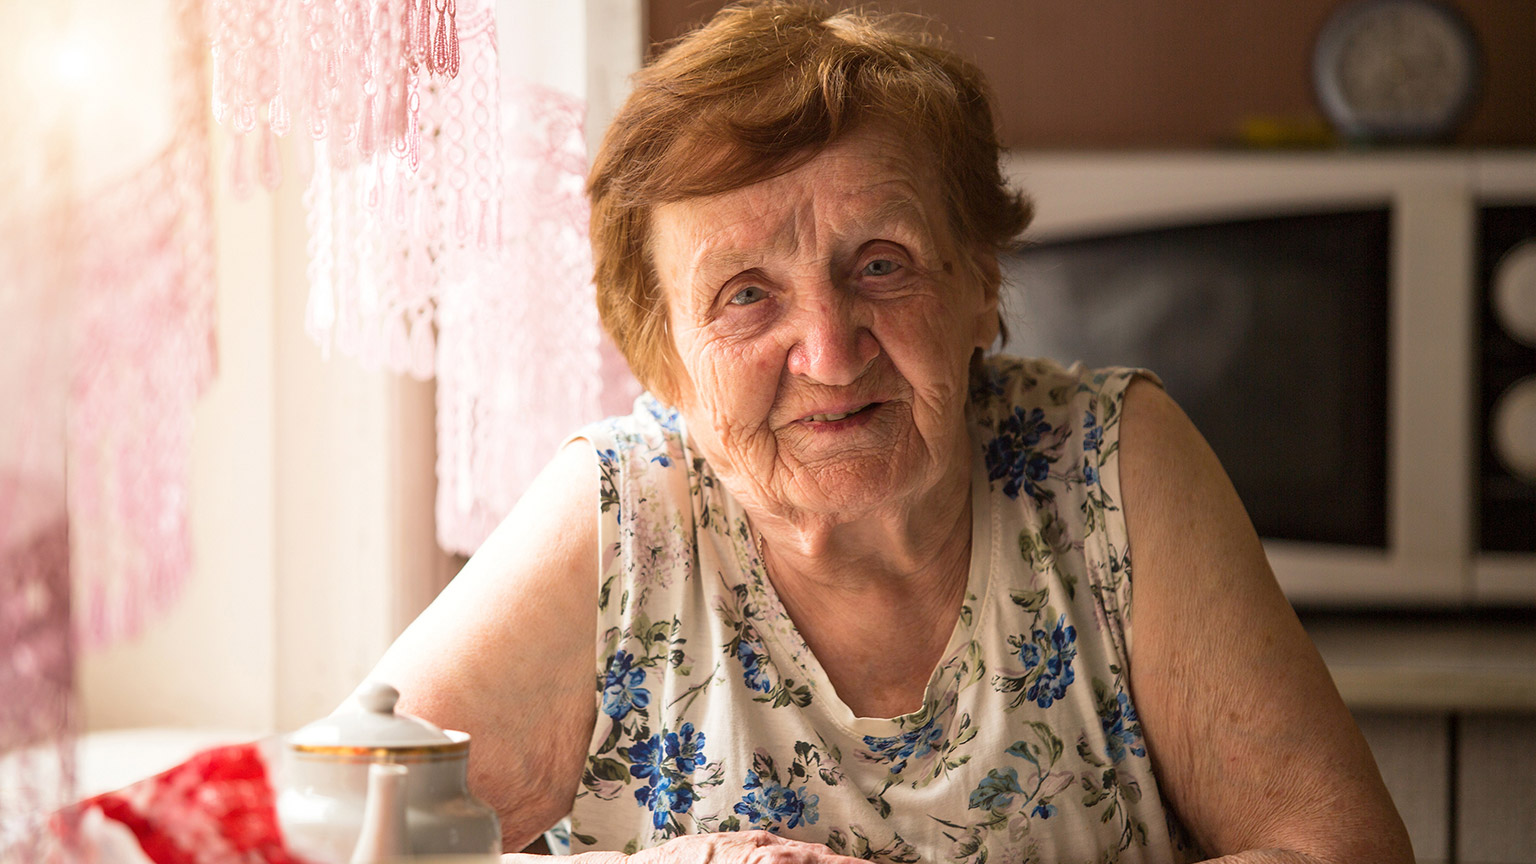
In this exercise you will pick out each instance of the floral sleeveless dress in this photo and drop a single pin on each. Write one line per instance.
(713, 715)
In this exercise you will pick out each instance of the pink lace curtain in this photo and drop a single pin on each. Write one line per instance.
(144, 336)
(36, 644)
(107, 304)
(447, 224)
(347, 71)
(523, 361)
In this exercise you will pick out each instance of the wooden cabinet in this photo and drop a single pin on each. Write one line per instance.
(1495, 783)
(1413, 752)
(1465, 784)
(1448, 705)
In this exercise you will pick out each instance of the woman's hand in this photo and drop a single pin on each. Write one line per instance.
(739, 847)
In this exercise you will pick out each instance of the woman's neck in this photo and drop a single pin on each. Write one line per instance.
(876, 601)
(906, 546)
(874, 594)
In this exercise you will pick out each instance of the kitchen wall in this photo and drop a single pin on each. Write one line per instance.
(1184, 74)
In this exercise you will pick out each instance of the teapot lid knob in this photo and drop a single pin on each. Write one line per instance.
(378, 697)
(369, 720)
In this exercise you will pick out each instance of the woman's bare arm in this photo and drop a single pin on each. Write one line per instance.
(506, 652)
(1248, 736)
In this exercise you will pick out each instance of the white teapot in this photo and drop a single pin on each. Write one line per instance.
(370, 785)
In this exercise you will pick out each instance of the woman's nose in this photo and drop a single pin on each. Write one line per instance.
(835, 345)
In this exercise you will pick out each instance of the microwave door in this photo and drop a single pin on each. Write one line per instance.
(1270, 332)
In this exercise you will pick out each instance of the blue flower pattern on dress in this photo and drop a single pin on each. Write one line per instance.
(1093, 434)
(665, 416)
(1122, 729)
(1057, 675)
(1012, 455)
(667, 761)
(666, 796)
(754, 669)
(685, 749)
(914, 744)
(996, 790)
(774, 806)
(645, 760)
(1093, 441)
(1077, 763)
(622, 692)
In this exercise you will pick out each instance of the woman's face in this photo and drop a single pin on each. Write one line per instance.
(824, 321)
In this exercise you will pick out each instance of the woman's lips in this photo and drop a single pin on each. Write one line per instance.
(838, 419)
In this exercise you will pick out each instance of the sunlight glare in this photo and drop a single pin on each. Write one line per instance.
(73, 65)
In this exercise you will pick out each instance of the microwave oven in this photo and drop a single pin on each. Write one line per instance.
(1353, 332)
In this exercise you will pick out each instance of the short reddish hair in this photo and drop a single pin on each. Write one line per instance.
(756, 92)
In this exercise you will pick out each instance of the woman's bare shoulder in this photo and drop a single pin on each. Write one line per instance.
(506, 651)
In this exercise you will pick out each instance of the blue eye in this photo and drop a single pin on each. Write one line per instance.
(748, 295)
(881, 267)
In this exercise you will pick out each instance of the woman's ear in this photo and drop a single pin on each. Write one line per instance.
(988, 275)
(672, 386)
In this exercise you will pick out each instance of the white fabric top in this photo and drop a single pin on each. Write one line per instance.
(714, 715)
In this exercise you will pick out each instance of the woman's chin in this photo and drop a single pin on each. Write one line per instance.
(851, 487)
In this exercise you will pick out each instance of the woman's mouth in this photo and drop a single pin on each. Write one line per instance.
(840, 416)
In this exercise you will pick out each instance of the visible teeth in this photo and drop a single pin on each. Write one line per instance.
(828, 418)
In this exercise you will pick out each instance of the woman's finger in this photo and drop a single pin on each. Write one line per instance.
(770, 848)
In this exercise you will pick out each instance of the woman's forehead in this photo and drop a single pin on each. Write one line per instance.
(865, 180)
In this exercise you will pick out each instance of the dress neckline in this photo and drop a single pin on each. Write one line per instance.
(789, 649)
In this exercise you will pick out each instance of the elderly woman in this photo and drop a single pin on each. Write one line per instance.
(843, 585)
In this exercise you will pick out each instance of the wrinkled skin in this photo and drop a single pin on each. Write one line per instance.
(833, 288)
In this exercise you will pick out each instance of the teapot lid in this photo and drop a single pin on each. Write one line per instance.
(371, 725)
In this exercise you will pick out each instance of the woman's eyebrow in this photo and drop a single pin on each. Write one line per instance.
(904, 210)
(721, 253)
(710, 268)
(717, 259)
